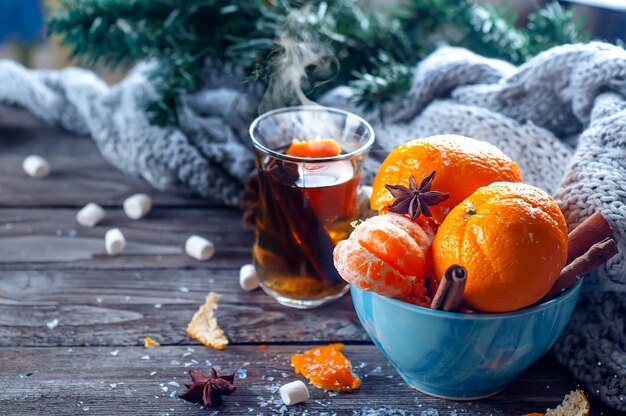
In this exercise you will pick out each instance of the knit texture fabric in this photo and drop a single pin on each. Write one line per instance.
(561, 117)
(208, 154)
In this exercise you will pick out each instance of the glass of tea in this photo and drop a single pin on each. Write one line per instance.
(309, 161)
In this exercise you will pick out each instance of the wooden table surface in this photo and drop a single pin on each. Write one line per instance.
(93, 361)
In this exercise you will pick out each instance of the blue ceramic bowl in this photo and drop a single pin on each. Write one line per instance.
(461, 356)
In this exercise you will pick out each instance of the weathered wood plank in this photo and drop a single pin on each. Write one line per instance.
(103, 307)
(79, 174)
(51, 268)
(92, 381)
(51, 239)
(15, 117)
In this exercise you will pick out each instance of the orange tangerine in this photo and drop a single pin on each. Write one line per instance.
(512, 240)
(462, 165)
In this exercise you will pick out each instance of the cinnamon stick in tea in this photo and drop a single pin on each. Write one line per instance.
(273, 212)
(303, 227)
(450, 291)
(591, 231)
(596, 256)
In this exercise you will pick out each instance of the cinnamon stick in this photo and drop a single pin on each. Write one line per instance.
(274, 219)
(301, 226)
(450, 291)
(597, 255)
(591, 231)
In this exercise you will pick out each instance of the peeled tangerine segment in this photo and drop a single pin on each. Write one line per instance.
(418, 295)
(389, 255)
(315, 149)
(361, 268)
(327, 368)
(393, 239)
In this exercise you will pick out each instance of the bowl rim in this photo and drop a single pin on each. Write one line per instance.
(478, 316)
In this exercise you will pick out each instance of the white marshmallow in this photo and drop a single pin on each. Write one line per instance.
(114, 242)
(199, 248)
(90, 215)
(137, 206)
(294, 392)
(36, 166)
(248, 279)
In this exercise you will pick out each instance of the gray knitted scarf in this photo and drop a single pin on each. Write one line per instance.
(561, 117)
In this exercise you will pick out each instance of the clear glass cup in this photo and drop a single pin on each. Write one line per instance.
(306, 205)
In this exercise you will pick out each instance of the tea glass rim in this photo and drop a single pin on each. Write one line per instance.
(362, 149)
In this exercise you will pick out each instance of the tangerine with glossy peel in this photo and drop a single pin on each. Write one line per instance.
(462, 164)
(512, 240)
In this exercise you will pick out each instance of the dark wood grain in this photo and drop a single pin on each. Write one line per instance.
(65, 381)
(51, 268)
(78, 173)
(51, 239)
(105, 307)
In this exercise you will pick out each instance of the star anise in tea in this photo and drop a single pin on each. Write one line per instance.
(208, 390)
(415, 200)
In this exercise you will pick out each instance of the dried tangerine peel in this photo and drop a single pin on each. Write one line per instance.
(327, 368)
(575, 403)
(316, 149)
(204, 328)
(150, 343)
(462, 165)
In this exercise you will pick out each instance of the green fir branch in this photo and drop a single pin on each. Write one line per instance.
(492, 33)
(181, 36)
(388, 79)
(481, 28)
(553, 25)
(188, 37)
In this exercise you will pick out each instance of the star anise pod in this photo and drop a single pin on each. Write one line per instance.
(208, 390)
(415, 200)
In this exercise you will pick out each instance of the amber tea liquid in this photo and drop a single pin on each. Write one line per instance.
(306, 205)
(305, 209)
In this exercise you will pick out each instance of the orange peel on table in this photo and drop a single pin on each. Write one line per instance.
(327, 368)
(204, 328)
(316, 149)
(150, 343)
(574, 403)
